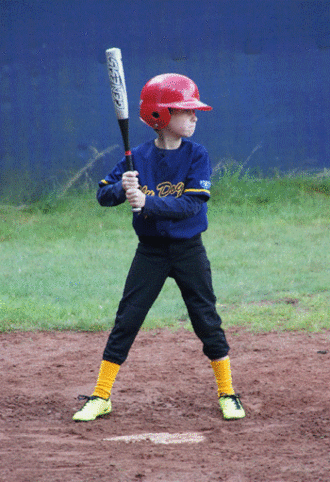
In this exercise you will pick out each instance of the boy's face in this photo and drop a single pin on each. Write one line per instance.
(182, 123)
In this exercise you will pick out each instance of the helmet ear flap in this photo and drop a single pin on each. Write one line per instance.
(155, 116)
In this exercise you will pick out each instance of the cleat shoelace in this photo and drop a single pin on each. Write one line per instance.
(234, 398)
(85, 397)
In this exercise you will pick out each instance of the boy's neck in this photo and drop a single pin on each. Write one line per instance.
(167, 142)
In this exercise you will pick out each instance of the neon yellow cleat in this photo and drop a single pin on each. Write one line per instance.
(93, 408)
(231, 407)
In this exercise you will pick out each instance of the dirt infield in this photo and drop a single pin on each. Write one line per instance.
(165, 386)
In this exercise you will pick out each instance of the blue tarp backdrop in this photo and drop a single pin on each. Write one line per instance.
(264, 65)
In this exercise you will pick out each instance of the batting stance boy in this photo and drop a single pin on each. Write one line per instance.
(171, 185)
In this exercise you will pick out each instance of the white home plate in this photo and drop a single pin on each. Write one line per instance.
(160, 438)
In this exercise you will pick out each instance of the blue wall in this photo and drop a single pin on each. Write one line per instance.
(264, 65)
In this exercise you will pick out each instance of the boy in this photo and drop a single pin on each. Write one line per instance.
(171, 187)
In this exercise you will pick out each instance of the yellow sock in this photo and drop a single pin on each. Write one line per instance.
(106, 379)
(222, 374)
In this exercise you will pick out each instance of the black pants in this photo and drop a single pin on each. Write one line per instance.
(155, 260)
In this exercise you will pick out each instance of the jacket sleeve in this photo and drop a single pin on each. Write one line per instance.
(198, 180)
(171, 207)
(111, 192)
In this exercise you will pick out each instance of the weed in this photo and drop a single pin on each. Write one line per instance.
(64, 260)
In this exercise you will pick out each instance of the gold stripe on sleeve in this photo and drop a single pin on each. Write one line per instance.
(206, 191)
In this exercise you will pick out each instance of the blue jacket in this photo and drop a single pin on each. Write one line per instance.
(177, 186)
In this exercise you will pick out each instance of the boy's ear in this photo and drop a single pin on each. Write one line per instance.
(155, 116)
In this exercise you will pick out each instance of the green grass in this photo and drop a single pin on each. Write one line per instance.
(64, 262)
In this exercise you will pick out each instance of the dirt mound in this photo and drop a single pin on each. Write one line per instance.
(165, 388)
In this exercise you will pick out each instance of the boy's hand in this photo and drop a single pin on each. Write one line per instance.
(136, 198)
(130, 180)
(130, 183)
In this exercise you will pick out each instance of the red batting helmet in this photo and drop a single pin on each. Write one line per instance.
(165, 91)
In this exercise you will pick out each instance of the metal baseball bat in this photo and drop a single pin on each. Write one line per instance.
(120, 101)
